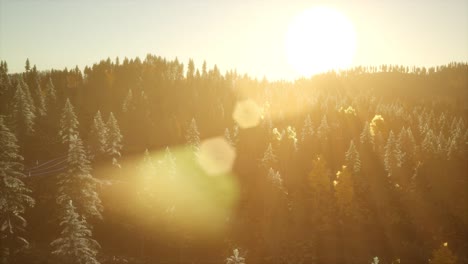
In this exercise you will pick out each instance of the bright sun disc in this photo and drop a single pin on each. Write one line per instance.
(320, 39)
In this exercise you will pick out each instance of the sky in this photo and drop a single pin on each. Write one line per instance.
(248, 36)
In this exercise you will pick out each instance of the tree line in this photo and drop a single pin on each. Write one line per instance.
(343, 166)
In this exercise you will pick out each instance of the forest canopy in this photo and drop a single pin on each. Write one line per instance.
(113, 164)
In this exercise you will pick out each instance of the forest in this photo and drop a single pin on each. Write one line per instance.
(156, 161)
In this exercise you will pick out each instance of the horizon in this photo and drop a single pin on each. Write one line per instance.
(247, 37)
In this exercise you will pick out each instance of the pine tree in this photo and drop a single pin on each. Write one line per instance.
(147, 165)
(22, 114)
(353, 160)
(407, 145)
(307, 129)
(443, 255)
(27, 94)
(324, 129)
(275, 178)
(14, 195)
(269, 157)
(27, 65)
(227, 136)
(236, 258)
(98, 135)
(393, 156)
(75, 245)
(429, 145)
(170, 163)
(193, 136)
(41, 108)
(77, 183)
(68, 124)
(321, 194)
(345, 194)
(366, 137)
(50, 95)
(190, 69)
(128, 104)
(114, 139)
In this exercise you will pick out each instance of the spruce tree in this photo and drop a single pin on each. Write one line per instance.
(275, 178)
(227, 136)
(366, 138)
(307, 129)
(407, 145)
(269, 157)
(443, 255)
(27, 94)
(236, 258)
(98, 136)
(39, 98)
(393, 157)
(193, 136)
(114, 139)
(429, 145)
(324, 129)
(50, 95)
(22, 114)
(170, 163)
(14, 195)
(68, 124)
(128, 104)
(352, 158)
(77, 183)
(321, 194)
(75, 245)
(345, 194)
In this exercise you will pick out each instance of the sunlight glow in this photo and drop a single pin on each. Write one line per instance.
(247, 113)
(216, 156)
(320, 39)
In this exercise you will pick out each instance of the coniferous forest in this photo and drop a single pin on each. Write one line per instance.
(157, 161)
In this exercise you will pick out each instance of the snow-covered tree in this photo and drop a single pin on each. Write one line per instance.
(169, 163)
(147, 165)
(50, 93)
(275, 178)
(98, 135)
(75, 244)
(269, 157)
(114, 139)
(68, 123)
(393, 157)
(429, 145)
(41, 109)
(321, 194)
(324, 129)
(345, 194)
(128, 104)
(77, 183)
(443, 255)
(366, 137)
(407, 145)
(27, 94)
(232, 136)
(236, 258)
(292, 136)
(352, 158)
(22, 114)
(227, 136)
(307, 129)
(14, 195)
(193, 136)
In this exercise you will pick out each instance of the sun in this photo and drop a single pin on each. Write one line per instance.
(320, 39)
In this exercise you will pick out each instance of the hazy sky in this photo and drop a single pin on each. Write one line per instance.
(246, 35)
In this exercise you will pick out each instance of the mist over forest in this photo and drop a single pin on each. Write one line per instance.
(157, 161)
